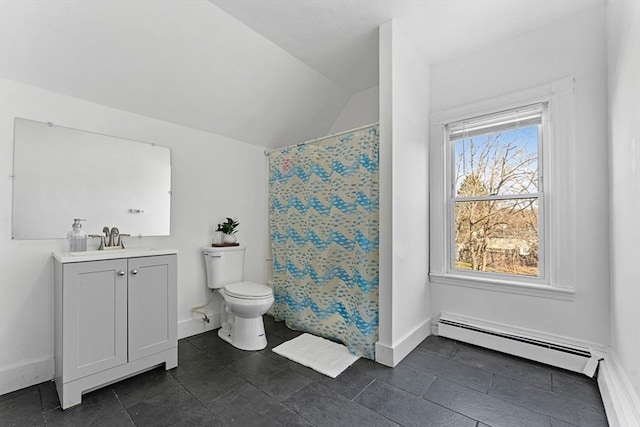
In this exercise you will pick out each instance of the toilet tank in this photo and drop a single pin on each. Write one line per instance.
(224, 265)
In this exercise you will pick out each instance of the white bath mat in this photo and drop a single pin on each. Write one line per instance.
(327, 357)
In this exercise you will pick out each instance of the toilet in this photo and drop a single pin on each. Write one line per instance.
(244, 302)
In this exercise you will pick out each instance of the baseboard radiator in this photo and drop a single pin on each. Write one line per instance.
(573, 358)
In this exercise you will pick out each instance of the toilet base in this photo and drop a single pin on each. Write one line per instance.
(246, 334)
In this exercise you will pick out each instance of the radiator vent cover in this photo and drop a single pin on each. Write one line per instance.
(484, 334)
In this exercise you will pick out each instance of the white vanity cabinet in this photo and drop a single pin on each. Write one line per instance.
(113, 318)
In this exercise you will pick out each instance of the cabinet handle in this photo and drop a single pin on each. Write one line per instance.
(134, 271)
(121, 273)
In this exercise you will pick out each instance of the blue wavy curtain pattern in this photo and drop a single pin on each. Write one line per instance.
(323, 221)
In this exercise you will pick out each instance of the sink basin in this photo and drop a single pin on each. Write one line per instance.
(111, 252)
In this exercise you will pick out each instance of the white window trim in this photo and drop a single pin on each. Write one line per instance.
(504, 286)
(559, 170)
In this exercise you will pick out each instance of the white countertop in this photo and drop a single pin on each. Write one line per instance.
(66, 257)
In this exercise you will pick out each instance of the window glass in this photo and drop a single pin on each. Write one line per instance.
(497, 163)
(499, 236)
(495, 193)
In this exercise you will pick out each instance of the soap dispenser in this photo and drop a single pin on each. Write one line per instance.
(77, 238)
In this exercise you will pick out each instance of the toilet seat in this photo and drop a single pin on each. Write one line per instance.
(248, 291)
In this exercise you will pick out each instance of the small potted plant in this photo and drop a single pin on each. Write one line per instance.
(229, 228)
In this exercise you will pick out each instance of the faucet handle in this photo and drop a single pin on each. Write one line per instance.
(101, 240)
(121, 235)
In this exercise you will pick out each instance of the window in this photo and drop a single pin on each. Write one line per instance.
(530, 248)
(495, 202)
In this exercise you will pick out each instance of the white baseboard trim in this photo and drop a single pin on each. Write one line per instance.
(18, 376)
(26, 374)
(392, 355)
(196, 325)
(621, 402)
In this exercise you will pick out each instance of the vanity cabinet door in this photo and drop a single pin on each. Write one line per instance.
(152, 305)
(94, 297)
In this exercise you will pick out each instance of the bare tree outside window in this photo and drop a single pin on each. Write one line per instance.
(496, 200)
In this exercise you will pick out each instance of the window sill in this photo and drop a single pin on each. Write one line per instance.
(503, 286)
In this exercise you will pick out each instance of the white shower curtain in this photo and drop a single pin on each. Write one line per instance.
(324, 233)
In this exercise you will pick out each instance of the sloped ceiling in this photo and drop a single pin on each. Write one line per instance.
(185, 62)
(268, 72)
(339, 38)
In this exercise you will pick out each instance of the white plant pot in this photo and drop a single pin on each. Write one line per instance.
(228, 238)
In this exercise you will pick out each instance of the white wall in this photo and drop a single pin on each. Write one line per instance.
(212, 177)
(362, 109)
(624, 137)
(570, 47)
(404, 237)
(186, 62)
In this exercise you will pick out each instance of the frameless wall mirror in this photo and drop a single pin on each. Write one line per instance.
(61, 173)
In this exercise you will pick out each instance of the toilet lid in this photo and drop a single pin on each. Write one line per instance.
(248, 290)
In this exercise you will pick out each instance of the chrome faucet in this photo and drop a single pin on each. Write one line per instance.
(110, 239)
(114, 236)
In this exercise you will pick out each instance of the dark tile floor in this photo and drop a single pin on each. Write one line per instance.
(441, 383)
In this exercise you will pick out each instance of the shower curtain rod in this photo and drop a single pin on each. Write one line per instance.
(268, 152)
